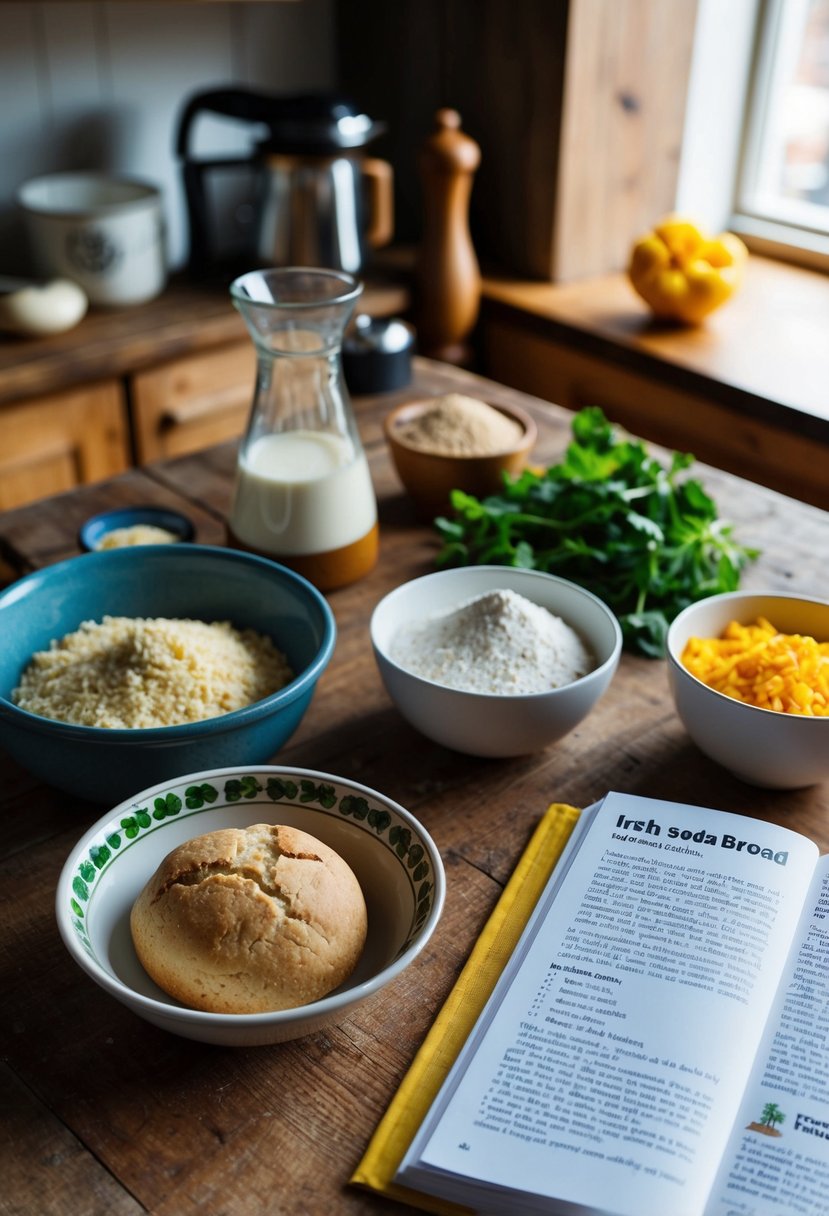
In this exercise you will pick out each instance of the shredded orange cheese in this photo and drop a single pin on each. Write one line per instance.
(756, 664)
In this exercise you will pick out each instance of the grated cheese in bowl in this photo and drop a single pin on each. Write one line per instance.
(756, 664)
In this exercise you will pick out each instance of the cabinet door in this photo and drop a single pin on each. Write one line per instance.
(54, 443)
(191, 403)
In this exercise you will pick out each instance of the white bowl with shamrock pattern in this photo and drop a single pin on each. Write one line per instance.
(394, 858)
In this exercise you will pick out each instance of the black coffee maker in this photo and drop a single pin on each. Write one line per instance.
(304, 195)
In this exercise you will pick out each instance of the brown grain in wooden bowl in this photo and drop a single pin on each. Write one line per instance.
(429, 477)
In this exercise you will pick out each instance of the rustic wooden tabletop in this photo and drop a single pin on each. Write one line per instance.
(103, 1113)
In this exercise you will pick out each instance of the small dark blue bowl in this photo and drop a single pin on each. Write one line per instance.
(96, 527)
(199, 582)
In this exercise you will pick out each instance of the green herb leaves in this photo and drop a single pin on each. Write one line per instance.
(612, 518)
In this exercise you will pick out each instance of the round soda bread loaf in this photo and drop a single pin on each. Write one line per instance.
(246, 920)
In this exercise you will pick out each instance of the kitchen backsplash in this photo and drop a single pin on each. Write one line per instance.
(98, 86)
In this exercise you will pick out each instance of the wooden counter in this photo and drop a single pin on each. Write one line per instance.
(186, 319)
(747, 391)
(108, 1116)
(131, 385)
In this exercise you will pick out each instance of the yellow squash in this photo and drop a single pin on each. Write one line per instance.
(684, 275)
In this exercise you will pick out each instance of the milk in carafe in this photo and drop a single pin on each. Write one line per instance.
(303, 492)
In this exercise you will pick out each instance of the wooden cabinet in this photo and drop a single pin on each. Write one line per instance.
(61, 440)
(746, 392)
(56, 441)
(187, 404)
(748, 446)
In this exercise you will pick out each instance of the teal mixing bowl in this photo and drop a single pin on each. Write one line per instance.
(174, 581)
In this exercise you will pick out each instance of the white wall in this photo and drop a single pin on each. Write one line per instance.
(98, 85)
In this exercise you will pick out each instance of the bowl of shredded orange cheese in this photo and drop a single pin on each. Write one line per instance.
(749, 673)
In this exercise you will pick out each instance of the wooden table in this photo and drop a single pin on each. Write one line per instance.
(103, 1113)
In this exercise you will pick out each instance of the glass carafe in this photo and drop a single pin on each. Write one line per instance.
(303, 494)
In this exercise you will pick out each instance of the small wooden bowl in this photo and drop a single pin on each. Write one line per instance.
(430, 477)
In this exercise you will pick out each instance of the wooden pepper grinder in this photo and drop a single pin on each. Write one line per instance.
(447, 276)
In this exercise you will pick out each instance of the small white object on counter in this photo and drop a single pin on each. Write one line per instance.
(38, 309)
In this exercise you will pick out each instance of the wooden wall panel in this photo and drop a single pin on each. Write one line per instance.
(578, 106)
(506, 65)
(499, 63)
(389, 61)
(626, 81)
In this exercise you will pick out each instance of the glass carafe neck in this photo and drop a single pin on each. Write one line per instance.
(303, 392)
(296, 311)
(296, 318)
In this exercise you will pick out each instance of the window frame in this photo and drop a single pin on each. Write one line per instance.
(730, 71)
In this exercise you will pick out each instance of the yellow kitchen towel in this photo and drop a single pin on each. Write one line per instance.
(460, 1011)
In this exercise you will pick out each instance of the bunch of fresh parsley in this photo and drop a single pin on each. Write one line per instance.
(612, 518)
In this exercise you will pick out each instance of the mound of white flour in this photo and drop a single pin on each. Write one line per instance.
(498, 642)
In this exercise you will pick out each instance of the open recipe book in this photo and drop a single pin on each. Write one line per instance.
(658, 1043)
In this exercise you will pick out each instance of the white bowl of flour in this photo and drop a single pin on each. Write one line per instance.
(494, 661)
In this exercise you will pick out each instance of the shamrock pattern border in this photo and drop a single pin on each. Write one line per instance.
(302, 791)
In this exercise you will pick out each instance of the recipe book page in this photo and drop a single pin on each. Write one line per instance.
(607, 1069)
(778, 1156)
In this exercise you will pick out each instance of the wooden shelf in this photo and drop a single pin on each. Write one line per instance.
(186, 319)
(763, 353)
(133, 385)
(747, 391)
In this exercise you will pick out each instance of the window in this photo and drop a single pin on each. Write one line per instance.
(756, 145)
(783, 184)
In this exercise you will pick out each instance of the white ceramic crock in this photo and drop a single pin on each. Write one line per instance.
(104, 233)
